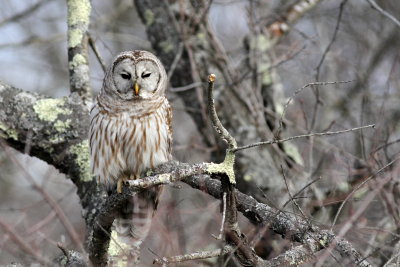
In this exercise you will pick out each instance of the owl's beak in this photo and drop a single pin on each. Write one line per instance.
(136, 87)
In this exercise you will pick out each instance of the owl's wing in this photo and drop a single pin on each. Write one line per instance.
(169, 122)
(106, 163)
(94, 112)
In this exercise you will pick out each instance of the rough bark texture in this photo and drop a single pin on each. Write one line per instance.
(55, 131)
(78, 26)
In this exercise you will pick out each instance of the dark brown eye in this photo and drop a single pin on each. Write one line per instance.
(146, 75)
(125, 76)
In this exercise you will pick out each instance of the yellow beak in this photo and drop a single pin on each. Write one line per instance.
(136, 87)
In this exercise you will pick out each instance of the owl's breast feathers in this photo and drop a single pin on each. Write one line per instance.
(129, 139)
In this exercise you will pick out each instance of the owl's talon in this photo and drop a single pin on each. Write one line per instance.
(121, 182)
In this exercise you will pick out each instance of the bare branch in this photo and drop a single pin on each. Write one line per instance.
(318, 68)
(22, 243)
(219, 128)
(96, 52)
(291, 198)
(278, 131)
(302, 136)
(194, 256)
(383, 12)
(52, 203)
(358, 187)
(221, 230)
(24, 13)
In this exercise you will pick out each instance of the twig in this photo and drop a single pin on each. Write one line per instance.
(22, 243)
(96, 52)
(290, 194)
(52, 203)
(185, 88)
(397, 255)
(194, 256)
(27, 11)
(301, 190)
(383, 12)
(358, 187)
(296, 93)
(301, 136)
(63, 249)
(244, 254)
(327, 49)
(219, 128)
(347, 226)
(176, 60)
(221, 230)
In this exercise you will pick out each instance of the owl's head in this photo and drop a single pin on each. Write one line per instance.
(136, 75)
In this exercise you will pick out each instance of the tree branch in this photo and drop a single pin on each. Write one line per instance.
(78, 25)
(56, 132)
(383, 12)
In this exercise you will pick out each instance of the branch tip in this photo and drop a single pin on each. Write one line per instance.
(211, 78)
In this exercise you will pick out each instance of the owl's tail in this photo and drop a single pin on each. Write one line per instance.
(134, 223)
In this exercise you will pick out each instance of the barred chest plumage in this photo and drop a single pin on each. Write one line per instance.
(122, 144)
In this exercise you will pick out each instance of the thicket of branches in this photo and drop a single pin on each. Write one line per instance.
(301, 122)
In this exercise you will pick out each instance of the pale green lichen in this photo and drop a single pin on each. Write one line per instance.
(118, 250)
(279, 108)
(360, 193)
(78, 14)
(166, 46)
(261, 43)
(149, 172)
(56, 139)
(247, 177)
(81, 151)
(77, 60)
(48, 109)
(74, 37)
(148, 17)
(225, 167)
(324, 241)
(292, 258)
(64, 261)
(293, 152)
(166, 177)
(343, 186)
(6, 132)
(62, 126)
(201, 36)
(266, 77)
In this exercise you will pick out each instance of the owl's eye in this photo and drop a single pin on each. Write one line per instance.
(125, 76)
(146, 75)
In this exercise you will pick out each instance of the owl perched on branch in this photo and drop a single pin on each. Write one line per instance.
(130, 132)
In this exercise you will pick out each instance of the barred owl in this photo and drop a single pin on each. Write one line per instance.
(130, 132)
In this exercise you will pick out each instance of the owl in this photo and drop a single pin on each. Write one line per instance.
(130, 132)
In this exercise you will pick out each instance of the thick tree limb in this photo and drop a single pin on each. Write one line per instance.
(55, 131)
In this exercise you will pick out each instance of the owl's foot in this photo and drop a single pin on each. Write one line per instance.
(120, 183)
